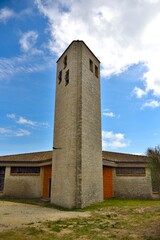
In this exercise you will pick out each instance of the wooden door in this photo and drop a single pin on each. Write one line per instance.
(47, 181)
(2, 176)
(107, 182)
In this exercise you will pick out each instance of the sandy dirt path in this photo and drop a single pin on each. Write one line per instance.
(15, 215)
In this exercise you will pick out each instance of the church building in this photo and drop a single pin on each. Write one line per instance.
(77, 172)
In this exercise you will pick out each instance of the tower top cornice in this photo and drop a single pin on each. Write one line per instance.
(81, 41)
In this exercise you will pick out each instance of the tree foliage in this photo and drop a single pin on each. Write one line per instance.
(154, 164)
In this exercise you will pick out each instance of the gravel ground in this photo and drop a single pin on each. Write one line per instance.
(15, 215)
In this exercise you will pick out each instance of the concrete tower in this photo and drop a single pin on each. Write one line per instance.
(77, 163)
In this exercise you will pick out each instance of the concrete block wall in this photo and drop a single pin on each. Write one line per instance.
(132, 186)
(65, 133)
(77, 166)
(23, 186)
(92, 173)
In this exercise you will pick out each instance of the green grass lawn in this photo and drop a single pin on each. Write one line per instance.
(111, 219)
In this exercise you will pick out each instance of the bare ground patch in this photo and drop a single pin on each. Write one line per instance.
(124, 221)
(17, 215)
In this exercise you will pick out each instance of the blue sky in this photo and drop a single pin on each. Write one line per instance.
(33, 36)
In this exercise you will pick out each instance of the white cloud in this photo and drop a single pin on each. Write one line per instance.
(113, 140)
(44, 124)
(12, 116)
(24, 121)
(6, 14)
(4, 131)
(22, 133)
(151, 104)
(138, 153)
(107, 113)
(28, 41)
(7, 132)
(23, 64)
(120, 33)
(110, 114)
(139, 92)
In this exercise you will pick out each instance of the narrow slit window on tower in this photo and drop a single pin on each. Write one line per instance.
(60, 77)
(65, 61)
(96, 71)
(67, 78)
(91, 65)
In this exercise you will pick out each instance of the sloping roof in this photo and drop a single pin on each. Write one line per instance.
(34, 156)
(123, 157)
(27, 158)
(42, 158)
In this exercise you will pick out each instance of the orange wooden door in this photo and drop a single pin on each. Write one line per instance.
(107, 182)
(47, 181)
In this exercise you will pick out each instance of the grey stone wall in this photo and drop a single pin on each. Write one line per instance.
(65, 123)
(132, 186)
(91, 131)
(22, 186)
(77, 166)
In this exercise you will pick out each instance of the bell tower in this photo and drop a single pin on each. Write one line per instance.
(77, 162)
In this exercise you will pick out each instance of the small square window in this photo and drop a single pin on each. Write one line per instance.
(67, 78)
(60, 77)
(65, 61)
(91, 65)
(96, 71)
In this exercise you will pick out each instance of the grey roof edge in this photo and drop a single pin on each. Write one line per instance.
(26, 164)
(109, 163)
